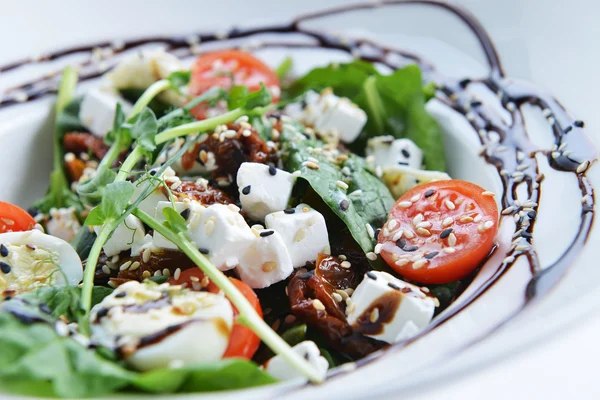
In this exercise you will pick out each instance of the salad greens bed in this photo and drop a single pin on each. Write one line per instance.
(42, 359)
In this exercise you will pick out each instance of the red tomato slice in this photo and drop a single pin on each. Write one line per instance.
(243, 343)
(225, 68)
(448, 228)
(14, 219)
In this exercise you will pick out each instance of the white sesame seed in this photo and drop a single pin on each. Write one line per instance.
(415, 198)
(356, 193)
(477, 218)
(417, 219)
(555, 154)
(157, 273)
(342, 185)
(370, 230)
(583, 167)
(146, 274)
(522, 248)
(342, 294)
(166, 272)
(447, 222)
(106, 270)
(345, 264)
(371, 256)
(311, 165)
(488, 193)
(401, 262)
(408, 234)
(378, 171)
(318, 305)
(419, 264)
(378, 247)
(177, 274)
(392, 224)
(480, 228)
(424, 224)
(146, 255)
(423, 232)
(522, 167)
(449, 250)
(509, 210)
(452, 239)
(404, 204)
(112, 284)
(300, 234)
(337, 297)
(125, 266)
(488, 224)
(135, 265)
(449, 204)
(465, 219)
(374, 315)
(436, 302)
(398, 235)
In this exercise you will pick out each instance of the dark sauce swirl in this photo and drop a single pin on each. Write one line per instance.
(513, 155)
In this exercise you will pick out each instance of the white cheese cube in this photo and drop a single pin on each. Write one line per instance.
(221, 231)
(303, 231)
(98, 107)
(148, 205)
(380, 294)
(63, 223)
(400, 179)
(142, 69)
(342, 117)
(157, 239)
(263, 189)
(280, 369)
(127, 235)
(266, 261)
(389, 152)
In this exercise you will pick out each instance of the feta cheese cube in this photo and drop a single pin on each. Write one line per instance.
(127, 235)
(98, 107)
(388, 152)
(380, 294)
(303, 231)
(157, 239)
(148, 205)
(330, 114)
(263, 189)
(63, 223)
(400, 180)
(266, 261)
(222, 231)
(280, 369)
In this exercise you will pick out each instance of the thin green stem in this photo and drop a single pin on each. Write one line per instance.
(129, 163)
(247, 315)
(148, 95)
(199, 126)
(90, 270)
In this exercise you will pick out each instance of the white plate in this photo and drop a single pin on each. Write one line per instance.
(528, 47)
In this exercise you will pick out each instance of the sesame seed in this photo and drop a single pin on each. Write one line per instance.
(125, 266)
(269, 266)
(509, 210)
(449, 250)
(311, 165)
(583, 167)
(424, 224)
(112, 284)
(342, 185)
(488, 224)
(318, 305)
(166, 272)
(408, 234)
(579, 124)
(436, 302)
(419, 264)
(268, 233)
(337, 297)
(398, 235)
(410, 248)
(429, 193)
(3, 250)
(135, 265)
(392, 224)
(356, 193)
(447, 222)
(444, 234)
(371, 256)
(522, 248)
(272, 170)
(415, 198)
(451, 239)
(194, 279)
(106, 270)
(401, 262)
(374, 315)
(158, 273)
(404, 204)
(432, 254)
(196, 286)
(555, 154)
(423, 232)
(480, 228)
(300, 234)
(289, 210)
(466, 219)
(417, 219)
(370, 230)
(146, 274)
(378, 247)
(246, 190)
(204, 251)
(345, 264)
(344, 205)
(449, 204)
(378, 171)
(177, 274)
(246, 132)
(488, 193)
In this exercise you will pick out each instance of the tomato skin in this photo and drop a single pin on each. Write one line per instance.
(243, 343)
(459, 252)
(14, 219)
(225, 68)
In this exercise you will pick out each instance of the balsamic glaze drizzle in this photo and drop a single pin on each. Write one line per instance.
(513, 155)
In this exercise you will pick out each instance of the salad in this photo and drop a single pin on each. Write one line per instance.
(227, 225)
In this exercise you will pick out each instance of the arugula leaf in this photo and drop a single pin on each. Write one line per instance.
(144, 129)
(372, 206)
(395, 104)
(115, 198)
(179, 79)
(237, 96)
(259, 98)
(91, 192)
(174, 221)
(226, 374)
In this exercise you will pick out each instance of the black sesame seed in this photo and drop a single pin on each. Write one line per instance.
(246, 190)
(266, 233)
(152, 172)
(579, 124)
(203, 250)
(371, 275)
(463, 83)
(33, 211)
(306, 356)
(289, 210)
(185, 213)
(7, 298)
(344, 205)
(3, 250)
(568, 129)
(410, 248)
(432, 254)
(103, 312)
(402, 163)
(306, 275)
(405, 153)
(203, 147)
(4, 267)
(393, 286)
(445, 233)
(429, 193)
(532, 214)
(377, 233)
(45, 309)
(272, 170)
(527, 235)
(121, 295)
(401, 243)
(476, 103)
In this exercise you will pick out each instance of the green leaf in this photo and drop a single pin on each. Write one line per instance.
(284, 68)
(179, 79)
(118, 131)
(91, 192)
(83, 242)
(144, 129)
(174, 221)
(237, 97)
(260, 98)
(115, 199)
(225, 374)
(263, 126)
(295, 335)
(394, 103)
(371, 207)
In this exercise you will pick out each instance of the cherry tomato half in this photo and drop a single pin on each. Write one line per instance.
(225, 68)
(440, 232)
(14, 219)
(243, 343)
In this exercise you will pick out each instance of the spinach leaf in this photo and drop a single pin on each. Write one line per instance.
(369, 206)
(34, 358)
(395, 104)
(222, 375)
